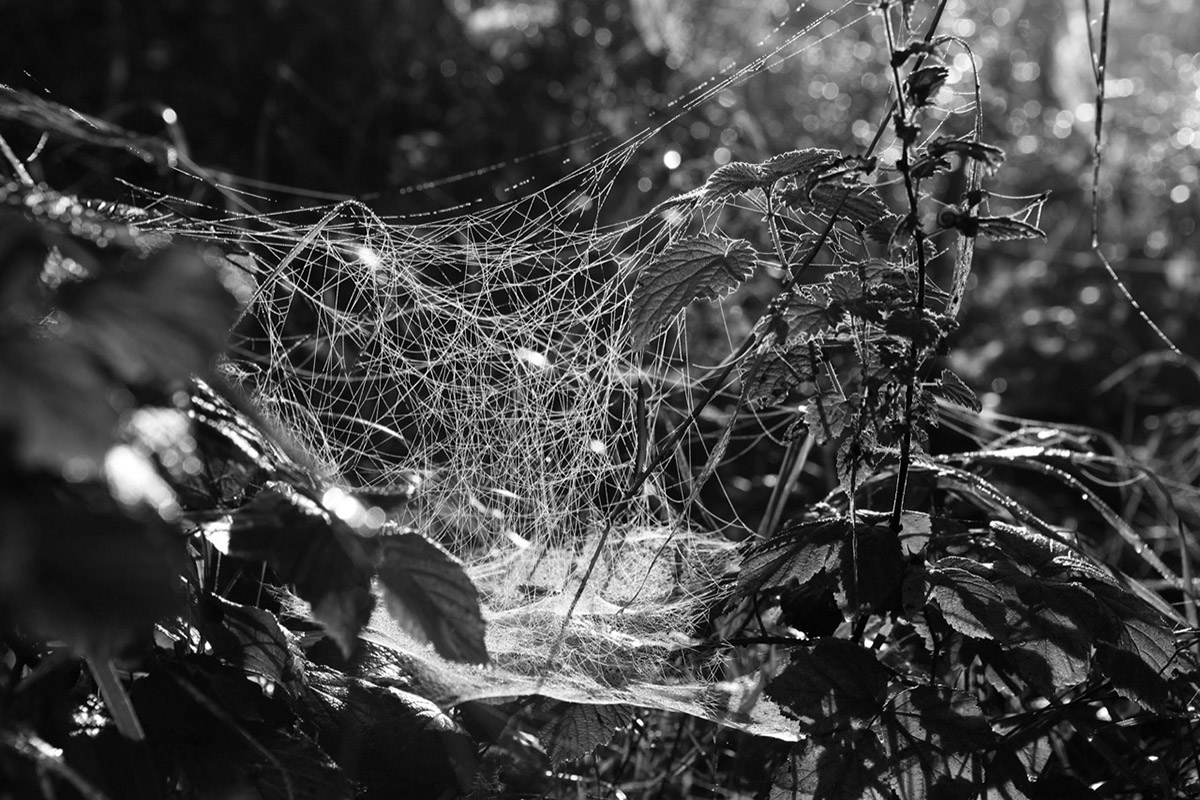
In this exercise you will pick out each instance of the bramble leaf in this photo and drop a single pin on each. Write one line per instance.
(833, 687)
(799, 552)
(577, 729)
(966, 596)
(849, 767)
(429, 595)
(308, 549)
(252, 640)
(705, 266)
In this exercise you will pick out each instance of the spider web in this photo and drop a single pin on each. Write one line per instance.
(483, 356)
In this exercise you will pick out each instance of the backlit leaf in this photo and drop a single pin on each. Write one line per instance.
(733, 179)
(705, 266)
(798, 552)
(430, 596)
(311, 551)
(784, 372)
(577, 729)
(922, 84)
(952, 388)
(799, 162)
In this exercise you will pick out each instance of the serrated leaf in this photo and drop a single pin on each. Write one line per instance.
(827, 416)
(807, 314)
(952, 388)
(577, 729)
(798, 552)
(429, 595)
(835, 686)
(799, 162)
(732, 180)
(967, 598)
(311, 551)
(861, 205)
(1137, 657)
(705, 266)
(783, 373)
(252, 640)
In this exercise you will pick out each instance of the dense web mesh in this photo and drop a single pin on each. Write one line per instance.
(483, 353)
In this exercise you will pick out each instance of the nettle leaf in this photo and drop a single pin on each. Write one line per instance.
(833, 687)
(252, 640)
(705, 266)
(828, 415)
(575, 730)
(429, 595)
(310, 550)
(798, 552)
(154, 320)
(860, 205)
(732, 180)
(783, 373)
(799, 162)
(807, 312)
(952, 388)
(922, 84)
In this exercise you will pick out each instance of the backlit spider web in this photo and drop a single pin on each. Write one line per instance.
(483, 353)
